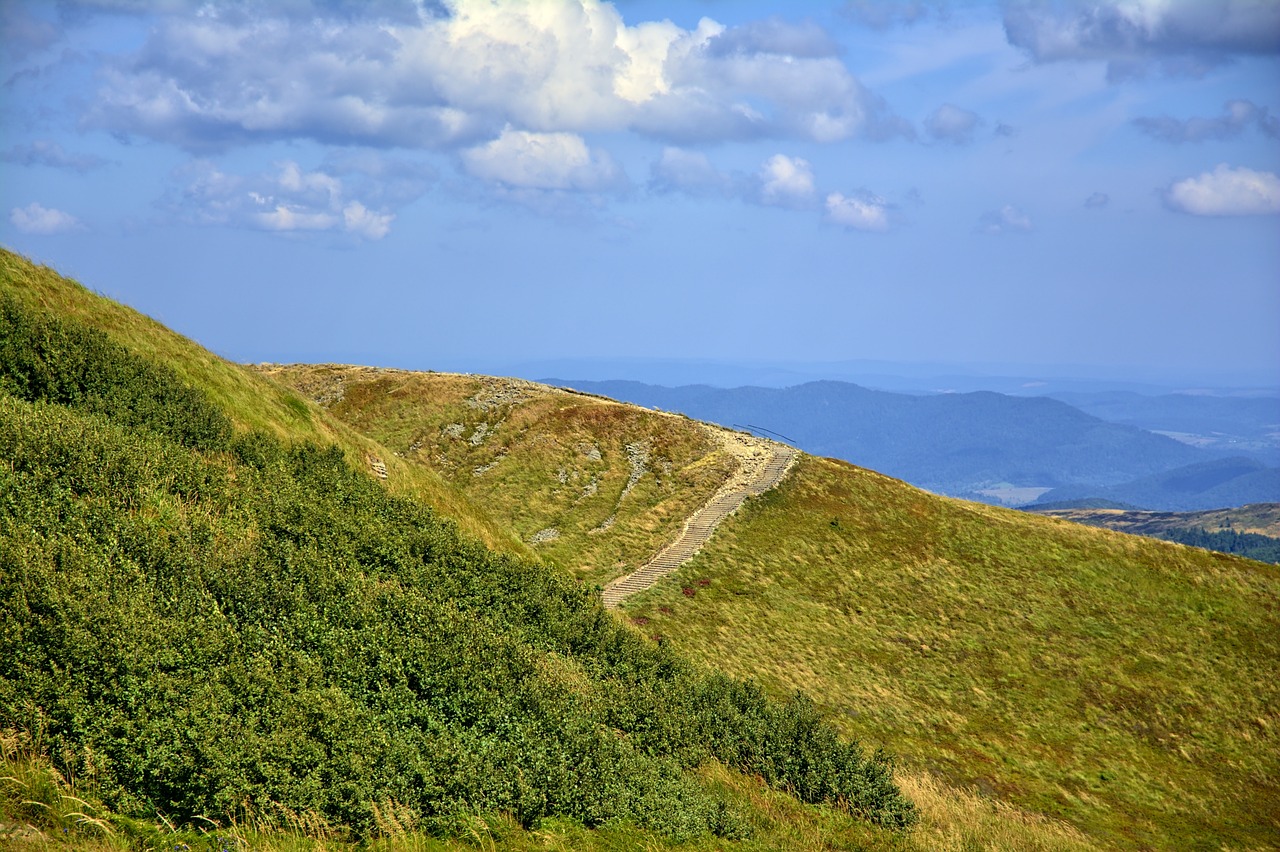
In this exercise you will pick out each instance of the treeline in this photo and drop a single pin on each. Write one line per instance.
(1263, 548)
(207, 623)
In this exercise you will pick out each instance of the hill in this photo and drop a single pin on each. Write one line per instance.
(1206, 485)
(982, 445)
(590, 484)
(209, 625)
(1044, 665)
(1126, 685)
(1251, 531)
(317, 643)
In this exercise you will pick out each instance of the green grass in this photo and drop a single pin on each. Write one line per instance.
(1128, 686)
(536, 458)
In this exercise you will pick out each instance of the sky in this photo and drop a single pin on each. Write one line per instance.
(479, 185)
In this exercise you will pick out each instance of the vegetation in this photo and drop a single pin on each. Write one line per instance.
(1125, 685)
(250, 401)
(213, 625)
(597, 487)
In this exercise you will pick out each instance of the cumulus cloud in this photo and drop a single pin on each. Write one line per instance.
(1097, 201)
(950, 123)
(861, 211)
(1226, 191)
(551, 161)
(680, 170)
(288, 200)
(1008, 219)
(238, 73)
(45, 152)
(35, 218)
(1131, 34)
(1237, 116)
(786, 182)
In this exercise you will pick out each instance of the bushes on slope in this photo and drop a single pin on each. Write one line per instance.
(264, 627)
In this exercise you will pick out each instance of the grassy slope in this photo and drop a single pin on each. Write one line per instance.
(252, 401)
(1125, 685)
(537, 458)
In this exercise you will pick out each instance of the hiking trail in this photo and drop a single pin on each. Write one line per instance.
(761, 465)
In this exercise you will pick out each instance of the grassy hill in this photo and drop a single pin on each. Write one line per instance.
(1125, 685)
(590, 484)
(259, 626)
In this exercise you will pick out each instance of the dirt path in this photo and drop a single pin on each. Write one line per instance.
(761, 465)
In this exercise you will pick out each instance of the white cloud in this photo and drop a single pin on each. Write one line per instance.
(786, 181)
(238, 73)
(553, 161)
(1185, 36)
(1097, 201)
(1226, 191)
(1008, 219)
(35, 218)
(863, 212)
(358, 219)
(290, 199)
(950, 123)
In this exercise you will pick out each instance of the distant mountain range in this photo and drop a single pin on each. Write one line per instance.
(1243, 425)
(989, 446)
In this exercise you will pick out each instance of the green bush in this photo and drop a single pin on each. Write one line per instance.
(263, 628)
(45, 358)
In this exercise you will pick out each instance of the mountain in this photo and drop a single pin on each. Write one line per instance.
(983, 445)
(1205, 485)
(1237, 425)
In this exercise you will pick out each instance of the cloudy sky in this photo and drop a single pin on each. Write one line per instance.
(467, 183)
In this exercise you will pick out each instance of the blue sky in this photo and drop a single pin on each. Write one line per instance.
(467, 185)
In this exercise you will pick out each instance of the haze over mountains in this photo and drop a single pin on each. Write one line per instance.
(1009, 449)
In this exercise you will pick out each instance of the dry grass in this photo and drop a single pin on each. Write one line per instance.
(1126, 686)
(615, 482)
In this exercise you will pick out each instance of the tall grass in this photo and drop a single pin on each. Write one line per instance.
(1127, 686)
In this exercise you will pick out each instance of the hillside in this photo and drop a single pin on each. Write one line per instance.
(1125, 685)
(982, 445)
(205, 625)
(1251, 531)
(1010, 654)
(594, 486)
(1045, 685)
